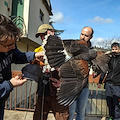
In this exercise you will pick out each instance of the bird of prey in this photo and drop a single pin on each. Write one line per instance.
(72, 58)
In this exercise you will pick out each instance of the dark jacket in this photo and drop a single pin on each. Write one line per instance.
(6, 59)
(113, 75)
(49, 90)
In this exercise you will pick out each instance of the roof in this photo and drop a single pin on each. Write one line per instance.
(48, 6)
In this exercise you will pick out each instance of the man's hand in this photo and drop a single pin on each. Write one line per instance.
(55, 82)
(99, 85)
(39, 55)
(18, 80)
(38, 59)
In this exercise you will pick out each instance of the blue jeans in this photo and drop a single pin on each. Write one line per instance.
(2, 105)
(79, 105)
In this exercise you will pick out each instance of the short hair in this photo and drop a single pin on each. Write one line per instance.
(8, 29)
(115, 44)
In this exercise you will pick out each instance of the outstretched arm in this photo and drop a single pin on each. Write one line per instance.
(7, 86)
(102, 77)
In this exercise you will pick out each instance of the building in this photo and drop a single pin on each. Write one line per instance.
(28, 15)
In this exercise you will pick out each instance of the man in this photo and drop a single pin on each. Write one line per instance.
(112, 84)
(50, 81)
(80, 103)
(10, 54)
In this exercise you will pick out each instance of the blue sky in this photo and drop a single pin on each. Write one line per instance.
(72, 15)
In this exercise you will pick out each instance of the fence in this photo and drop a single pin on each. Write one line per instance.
(24, 98)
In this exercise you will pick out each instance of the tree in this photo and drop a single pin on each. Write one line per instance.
(57, 32)
(106, 44)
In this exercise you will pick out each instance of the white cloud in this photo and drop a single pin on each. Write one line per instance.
(99, 42)
(57, 17)
(98, 19)
(105, 42)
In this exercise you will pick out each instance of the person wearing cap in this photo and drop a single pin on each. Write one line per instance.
(44, 29)
(9, 54)
(47, 87)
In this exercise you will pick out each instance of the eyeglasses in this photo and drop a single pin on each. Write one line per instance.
(10, 45)
(7, 46)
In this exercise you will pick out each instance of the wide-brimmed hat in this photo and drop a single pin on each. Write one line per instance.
(43, 28)
(32, 72)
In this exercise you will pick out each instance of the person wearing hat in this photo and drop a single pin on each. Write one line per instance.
(9, 33)
(47, 87)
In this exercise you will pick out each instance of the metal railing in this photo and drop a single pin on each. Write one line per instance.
(96, 101)
(19, 21)
(24, 98)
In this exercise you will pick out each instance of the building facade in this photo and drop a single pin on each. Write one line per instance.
(28, 15)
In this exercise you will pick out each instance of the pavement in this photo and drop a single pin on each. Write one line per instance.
(23, 115)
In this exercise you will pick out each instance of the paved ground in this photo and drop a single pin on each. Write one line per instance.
(22, 115)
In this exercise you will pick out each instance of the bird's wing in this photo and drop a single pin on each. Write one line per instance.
(100, 63)
(75, 47)
(57, 50)
(54, 51)
(73, 76)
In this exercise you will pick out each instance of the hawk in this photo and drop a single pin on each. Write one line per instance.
(72, 57)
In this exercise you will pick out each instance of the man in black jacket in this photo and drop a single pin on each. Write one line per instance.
(112, 84)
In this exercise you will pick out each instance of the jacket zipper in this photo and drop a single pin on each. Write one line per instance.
(114, 64)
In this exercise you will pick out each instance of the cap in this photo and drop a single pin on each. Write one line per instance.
(42, 29)
(32, 72)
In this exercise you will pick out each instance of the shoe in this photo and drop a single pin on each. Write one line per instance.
(111, 118)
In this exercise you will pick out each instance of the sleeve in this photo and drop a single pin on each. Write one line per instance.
(5, 88)
(22, 57)
(39, 49)
(102, 76)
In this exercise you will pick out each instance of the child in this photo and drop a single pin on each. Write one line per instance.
(112, 85)
(9, 53)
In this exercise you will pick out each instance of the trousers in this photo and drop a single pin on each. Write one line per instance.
(79, 105)
(2, 106)
(113, 100)
(50, 104)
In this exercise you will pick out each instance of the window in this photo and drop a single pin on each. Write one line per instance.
(41, 15)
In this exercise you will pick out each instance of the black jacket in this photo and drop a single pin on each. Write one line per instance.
(113, 75)
(6, 59)
(49, 90)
